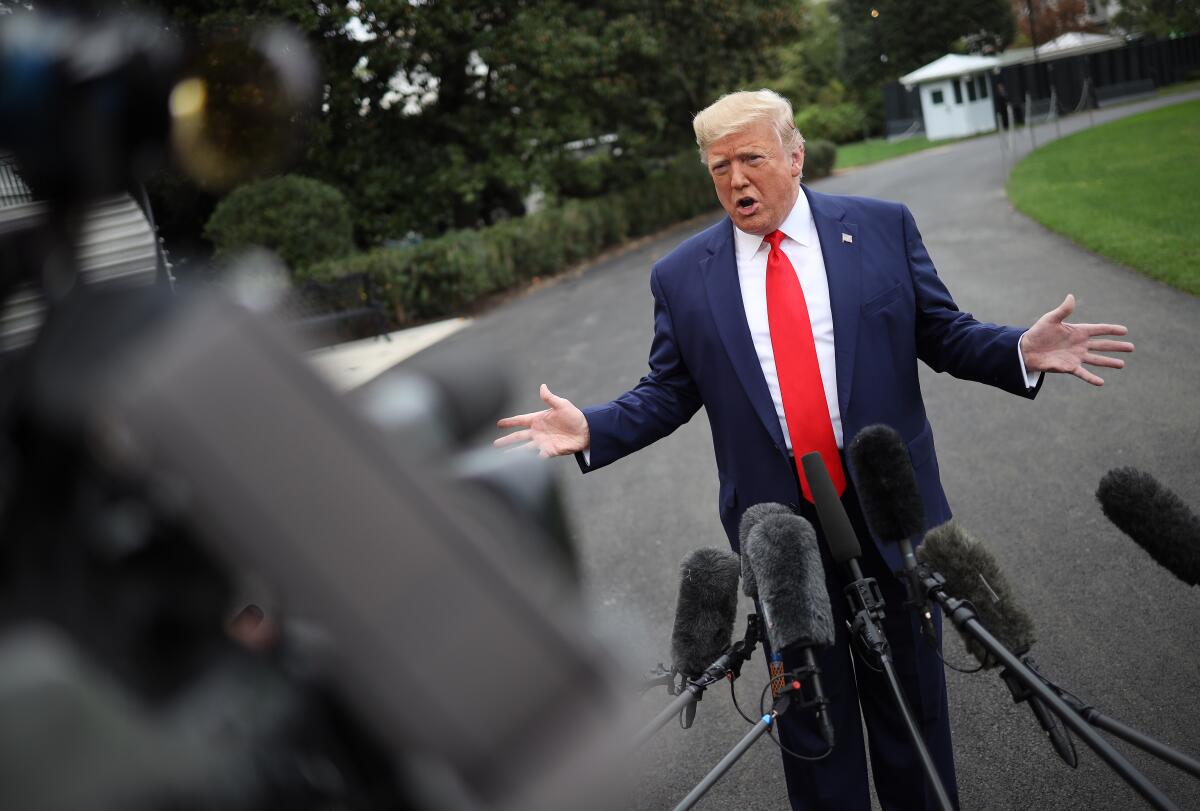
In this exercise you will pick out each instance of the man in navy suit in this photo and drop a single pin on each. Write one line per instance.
(728, 318)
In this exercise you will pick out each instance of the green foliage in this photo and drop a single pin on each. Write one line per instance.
(1162, 18)
(449, 274)
(801, 66)
(906, 34)
(819, 159)
(1148, 162)
(448, 113)
(302, 220)
(831, 116)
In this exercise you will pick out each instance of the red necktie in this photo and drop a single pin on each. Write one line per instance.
(804, 406)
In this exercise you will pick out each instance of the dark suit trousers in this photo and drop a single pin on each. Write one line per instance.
(839, 781)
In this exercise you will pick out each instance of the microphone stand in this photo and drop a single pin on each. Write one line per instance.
(911, 576)
(692, 690)
(867, 606)
(757, 731)
(1060, 739)
(962, 614)
(790, 695)
(1097, 719)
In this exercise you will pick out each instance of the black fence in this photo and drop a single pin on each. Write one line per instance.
(1074, 82)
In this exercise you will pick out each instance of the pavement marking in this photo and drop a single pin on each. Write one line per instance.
(349, 365)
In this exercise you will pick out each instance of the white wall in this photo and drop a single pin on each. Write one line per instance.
(951, 120)
(941, 120)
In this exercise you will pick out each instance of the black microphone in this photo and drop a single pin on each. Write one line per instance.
(891, 504)
(705, 610)
(701, 637)
(866, 606)
(972, 574)
(1155, 518)
(862, 593)
(782, 552)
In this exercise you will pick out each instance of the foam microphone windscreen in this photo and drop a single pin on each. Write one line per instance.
(706, 609)
(1155, 518)
(972, 574)
(886, 483)
(782, 552)
(749, 521)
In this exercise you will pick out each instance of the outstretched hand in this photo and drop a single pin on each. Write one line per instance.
(556, 431)
(1053, 345)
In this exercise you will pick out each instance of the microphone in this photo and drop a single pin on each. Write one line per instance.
(891, 504)
(972, 574)
(782, 552)
(750, 519)
(705, 610)
(701, 639)
(1155, 518)
(862, 593)
(866, 607)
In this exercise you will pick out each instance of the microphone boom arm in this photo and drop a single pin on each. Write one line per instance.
(692, 690)
(1114, 727)
(962, 614)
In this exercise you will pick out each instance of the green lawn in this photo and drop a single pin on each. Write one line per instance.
(1129, 190)
(861, 153)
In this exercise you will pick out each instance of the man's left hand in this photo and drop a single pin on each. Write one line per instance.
(1053, 345)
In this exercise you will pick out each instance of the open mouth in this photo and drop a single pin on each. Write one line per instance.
(746, 206)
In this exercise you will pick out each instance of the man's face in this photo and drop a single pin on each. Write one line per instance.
(755, 179)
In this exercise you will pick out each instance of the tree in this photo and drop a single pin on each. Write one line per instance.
(1041, 21)
(1162, 18)
(443, 114)
(884, 39)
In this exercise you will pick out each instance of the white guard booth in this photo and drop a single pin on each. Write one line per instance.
(956, 95)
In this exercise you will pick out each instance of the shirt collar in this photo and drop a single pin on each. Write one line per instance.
(795, 226)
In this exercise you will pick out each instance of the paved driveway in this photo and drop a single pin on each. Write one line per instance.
(1112, 626)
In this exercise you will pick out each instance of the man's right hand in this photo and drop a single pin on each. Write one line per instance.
(559, 430)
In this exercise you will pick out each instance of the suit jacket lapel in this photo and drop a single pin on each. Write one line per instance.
(719, 270)
(843, 268)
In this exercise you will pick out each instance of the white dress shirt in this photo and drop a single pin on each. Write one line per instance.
(803, 249)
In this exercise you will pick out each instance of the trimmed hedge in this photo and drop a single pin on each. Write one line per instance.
(819, 157)
(302, 220)
(841, 122)
(446, 275)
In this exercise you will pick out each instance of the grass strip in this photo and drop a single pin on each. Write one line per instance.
(1129, 190)
(874, 150)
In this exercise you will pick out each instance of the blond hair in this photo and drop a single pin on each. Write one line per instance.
(734, 112)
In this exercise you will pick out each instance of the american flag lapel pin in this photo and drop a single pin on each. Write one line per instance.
(847, 239)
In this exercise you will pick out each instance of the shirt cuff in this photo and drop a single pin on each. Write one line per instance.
(587, 455)
(1031, 380)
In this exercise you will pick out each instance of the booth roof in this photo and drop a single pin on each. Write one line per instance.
(949, 66)
(1071, 43)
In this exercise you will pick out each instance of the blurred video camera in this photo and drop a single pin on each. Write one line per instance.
(165, 459)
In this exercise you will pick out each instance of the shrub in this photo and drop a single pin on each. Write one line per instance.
(840, 123)
(302, 220)
(443, 276)
(819, 157)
